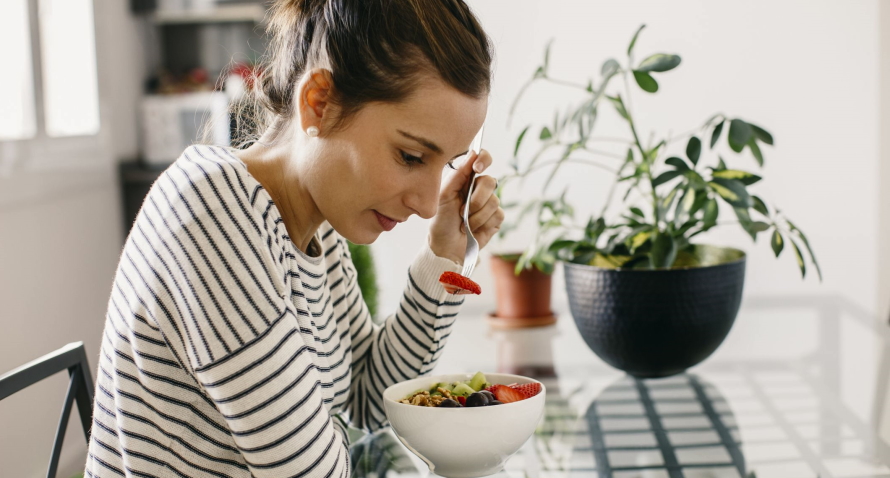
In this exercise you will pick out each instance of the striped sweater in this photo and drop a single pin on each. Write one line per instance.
(229, 352)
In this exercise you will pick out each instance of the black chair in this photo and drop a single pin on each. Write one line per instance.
(73, 358)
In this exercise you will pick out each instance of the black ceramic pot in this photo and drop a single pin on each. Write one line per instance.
(656, 323)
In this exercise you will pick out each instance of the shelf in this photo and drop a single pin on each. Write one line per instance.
(220, 14)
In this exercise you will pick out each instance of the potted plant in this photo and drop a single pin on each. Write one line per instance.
(522, 295)
(523, 280)
(645, 297)
(363, 260)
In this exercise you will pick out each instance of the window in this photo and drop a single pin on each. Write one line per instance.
(48, 88)
(68, 51)
(16, 83)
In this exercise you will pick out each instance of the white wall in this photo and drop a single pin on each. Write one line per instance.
(805, 70)
(884, 176)
(60, 238)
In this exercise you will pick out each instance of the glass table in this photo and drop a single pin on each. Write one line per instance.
(798, 389)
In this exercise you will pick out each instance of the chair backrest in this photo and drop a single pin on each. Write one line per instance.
(72, 358)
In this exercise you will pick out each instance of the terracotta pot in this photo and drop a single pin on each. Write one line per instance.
(525, 296)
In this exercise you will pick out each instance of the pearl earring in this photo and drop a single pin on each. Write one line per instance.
(312, 131)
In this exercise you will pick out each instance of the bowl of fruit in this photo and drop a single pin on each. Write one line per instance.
(464, 426)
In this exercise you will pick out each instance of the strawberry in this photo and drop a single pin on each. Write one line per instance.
(527, 390)
(462, 400)
(455, 283)
(505, 394)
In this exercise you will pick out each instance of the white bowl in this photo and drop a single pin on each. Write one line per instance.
(463, 442)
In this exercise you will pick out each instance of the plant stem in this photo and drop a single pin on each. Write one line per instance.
(603, 153)
(633, 129)
(566, 83)
(576, 161)
(516, 100)
(611, 139)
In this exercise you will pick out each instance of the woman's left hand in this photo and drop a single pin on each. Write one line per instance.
(447, 237)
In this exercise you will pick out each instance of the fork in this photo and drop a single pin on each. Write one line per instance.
(472, 253)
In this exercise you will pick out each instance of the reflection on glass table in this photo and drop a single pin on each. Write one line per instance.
(798, 390)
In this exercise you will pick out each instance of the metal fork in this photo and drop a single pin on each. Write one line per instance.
(472, 253)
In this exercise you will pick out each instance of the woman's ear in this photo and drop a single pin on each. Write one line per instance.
(314, 96)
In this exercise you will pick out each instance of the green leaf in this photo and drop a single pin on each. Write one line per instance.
(777, 242)
(744, 177)
(637, 211)
(693, 149)
(685, 228)
(677, 163)
(806, 243)
(659, 62)
(739, 134)
(710, 216)
(667, 203)
(759, 226)
(695, 180)
(732, 191)
(519, 140)
(720, 164)
(639, 239)
(800, 262)
(761, 134)
(653, 153)
(610, 68)
(745, 221)
(629, 158)
(716, 134)
(665, 177)
(561, 244)
(633, 41)
(619, 106)
(594, 229)
(688, 200)
(755, 150)
(701, 198)
(545, 133)
(760, 206)
(646, 82)
(664, 251)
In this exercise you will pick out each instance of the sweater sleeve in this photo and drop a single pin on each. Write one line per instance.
(407, 344)
(224, 305)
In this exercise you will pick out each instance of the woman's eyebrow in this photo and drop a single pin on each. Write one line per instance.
(427, 143)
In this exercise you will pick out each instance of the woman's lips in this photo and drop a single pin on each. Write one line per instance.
(386, 223)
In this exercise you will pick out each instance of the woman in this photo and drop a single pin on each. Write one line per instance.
(237, 343)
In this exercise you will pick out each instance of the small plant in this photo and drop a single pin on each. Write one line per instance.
(665, 201)
(363, 261)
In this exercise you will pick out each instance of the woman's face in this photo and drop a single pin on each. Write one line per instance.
(389, 159)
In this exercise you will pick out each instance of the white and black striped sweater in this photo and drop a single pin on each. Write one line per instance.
(228, 352)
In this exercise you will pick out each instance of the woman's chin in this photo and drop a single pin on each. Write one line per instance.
(361, 237)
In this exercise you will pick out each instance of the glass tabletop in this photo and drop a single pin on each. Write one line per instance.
(798, 389)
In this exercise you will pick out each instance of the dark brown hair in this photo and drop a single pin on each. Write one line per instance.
(377, 51)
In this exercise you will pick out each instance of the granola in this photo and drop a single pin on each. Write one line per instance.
(424, 399)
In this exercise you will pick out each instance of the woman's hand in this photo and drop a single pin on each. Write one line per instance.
(447, 237)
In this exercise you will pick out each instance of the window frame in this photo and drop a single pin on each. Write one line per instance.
(42, 152)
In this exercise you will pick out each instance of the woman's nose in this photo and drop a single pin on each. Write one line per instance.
(423, 197)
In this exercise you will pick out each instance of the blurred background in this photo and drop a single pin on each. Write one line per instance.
(98, 96)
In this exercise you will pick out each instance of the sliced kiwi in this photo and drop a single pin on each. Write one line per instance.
(463, 390)
(478, 381)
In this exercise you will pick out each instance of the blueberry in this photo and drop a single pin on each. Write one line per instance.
(495, 402)
(449, 403)
(488, 394)
(477, 399)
